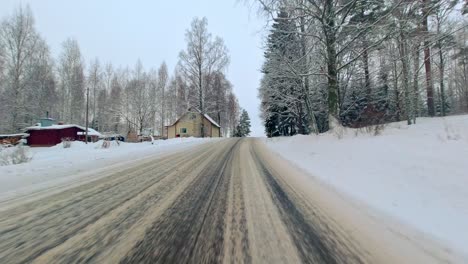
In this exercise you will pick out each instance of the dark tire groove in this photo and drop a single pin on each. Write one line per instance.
(176, 237)
(310, 240)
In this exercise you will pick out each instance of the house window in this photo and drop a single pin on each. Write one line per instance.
(193, 116)
(183, 130)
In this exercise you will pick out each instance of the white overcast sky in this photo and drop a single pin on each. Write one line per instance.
(153, 31)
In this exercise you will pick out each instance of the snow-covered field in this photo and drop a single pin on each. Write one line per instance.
(416, 174)
(57, 165)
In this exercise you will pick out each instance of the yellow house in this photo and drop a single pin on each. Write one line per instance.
(190, 125)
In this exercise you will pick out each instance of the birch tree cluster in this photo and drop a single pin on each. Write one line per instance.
(361, 62)
(119, 99)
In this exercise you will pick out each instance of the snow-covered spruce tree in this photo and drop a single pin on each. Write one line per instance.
(359, 107)
(338, 35)
(281, 90)
(243, 128)
(232, 114)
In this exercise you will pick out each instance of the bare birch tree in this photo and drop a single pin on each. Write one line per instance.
(94, 84)
(162, 83)
(203, 56)
(18, 38)
(72, 83)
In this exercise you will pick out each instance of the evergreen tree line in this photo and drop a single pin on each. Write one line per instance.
(120, 100)
(362, 62)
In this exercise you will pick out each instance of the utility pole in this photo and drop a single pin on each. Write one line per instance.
(87, 114)
(162, 111)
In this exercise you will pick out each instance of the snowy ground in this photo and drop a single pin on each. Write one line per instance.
(56, 165)
(416, 174)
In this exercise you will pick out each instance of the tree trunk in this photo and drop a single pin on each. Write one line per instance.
(15, 114)
(365, 59)
(465, 80)
(87, 116)
(332, 81)
(427, 61)
(397, 94)
(219, 122)
(202, 109)
(330, 41)
(162, 111)
(305, 83)
(404, 64)
(416, 83)
(94, 103)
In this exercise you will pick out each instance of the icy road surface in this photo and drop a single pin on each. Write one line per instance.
(229, 201)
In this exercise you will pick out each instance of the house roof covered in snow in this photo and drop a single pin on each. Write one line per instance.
(53, 127)
(13, 135)
(193, 109)
(91, 132)
(211, 120)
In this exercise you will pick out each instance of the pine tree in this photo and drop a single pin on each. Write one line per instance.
(243, 128)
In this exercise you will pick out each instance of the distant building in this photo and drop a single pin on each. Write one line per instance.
(40, 136)
(93, 135)
(46, 136)
(189, 125)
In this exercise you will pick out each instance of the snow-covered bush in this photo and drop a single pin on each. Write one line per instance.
(14, 155)
(339, 132)
(375, 130)
(451, 133)
(66, 142)
(337, 129)
(106, 144)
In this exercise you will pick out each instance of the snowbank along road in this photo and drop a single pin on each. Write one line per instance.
(226, 202)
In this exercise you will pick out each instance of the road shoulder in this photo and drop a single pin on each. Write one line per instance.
(385, 239)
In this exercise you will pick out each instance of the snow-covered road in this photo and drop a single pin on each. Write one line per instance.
(229, 202)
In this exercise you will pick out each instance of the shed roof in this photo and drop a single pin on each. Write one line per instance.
(53, 127)
(13, 135)
(91, 132)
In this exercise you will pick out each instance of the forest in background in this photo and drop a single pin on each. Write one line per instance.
(119, 99)
(361, 62)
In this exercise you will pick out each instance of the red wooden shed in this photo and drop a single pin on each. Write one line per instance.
(47, 136)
